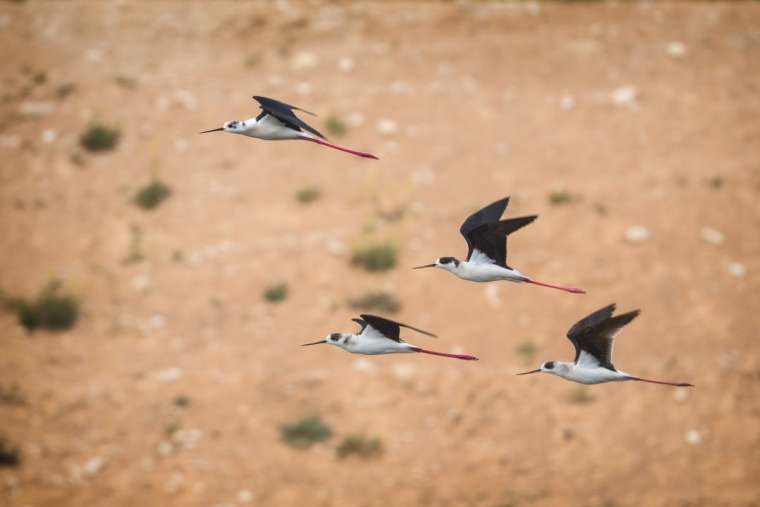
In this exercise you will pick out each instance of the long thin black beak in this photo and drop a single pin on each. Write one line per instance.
(529, 372)
(314, 343)
(212, 130)
(425, 266)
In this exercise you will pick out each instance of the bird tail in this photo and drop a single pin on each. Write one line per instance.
(443, 354)
(341, 148)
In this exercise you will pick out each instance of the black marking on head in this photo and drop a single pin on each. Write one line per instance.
(335, 337)
(448, 260)
(549, 365)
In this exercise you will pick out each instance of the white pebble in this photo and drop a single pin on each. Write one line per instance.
(355, 119)
(676, 49)
(681, 394)
(404, 370)
(624, 95)
(335, 246)
(10, 141)
(141, 282)
(49, 135)
(493, 297)
(693, 437)
(170, 374)
(245, 496)
(304, 60)
(93, 55)
(346, 64)
(737, 269)
(712, 236)
(304, 88)
(186, 99)
(567, 102)
(94, 465)
(637, 234)
(165, 448)
(401, 88)
(32, 108)
(387, 127)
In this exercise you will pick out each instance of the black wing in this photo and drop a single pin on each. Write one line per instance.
(362, 323)
(284, 113)
(596, 333)
(488, 215)
(491, 239)
(388, 328)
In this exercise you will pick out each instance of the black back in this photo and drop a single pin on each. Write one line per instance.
(488, 215)
(595, 334)
(284, 113)
(388, 328)
(491, 239)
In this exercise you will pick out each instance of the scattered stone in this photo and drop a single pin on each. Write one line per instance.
(355, 119)
(737, 269)
(304, 60)
(335, 246)
(94, 465)
(567, 102)
(93, 55)
(364, 365)
(493, 297)
(170, 374)
(346, 64)
(404, 371)
(245, 496)
(681, 394)
(304, 88)
(49, 136)
(188, 438)
(624, 96)
(712, 236)
(173, 483)
(165, 448)
(141, 281)
(401, 88)
(693, 437)
(676, 49)
(10, 142)
(186, 99)
(37, 109)
(637, 234)
(387, 127)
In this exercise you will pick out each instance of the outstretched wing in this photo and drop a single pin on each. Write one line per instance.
(491, 239)
(284, 113)
(362, 323)
(386, 327)
(488, 215)
(594, 336)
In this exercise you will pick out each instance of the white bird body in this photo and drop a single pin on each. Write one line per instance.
(586, 374)
(380, 336)
(268, 128)
(482, 269)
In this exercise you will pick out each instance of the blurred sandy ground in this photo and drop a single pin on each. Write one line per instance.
(645, 113)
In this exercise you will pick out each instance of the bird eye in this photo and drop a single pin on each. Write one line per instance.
(549, 365)
(335, 337)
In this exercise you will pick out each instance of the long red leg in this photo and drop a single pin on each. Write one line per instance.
(341, 148)
(679, 384)
(455, 356)
(566, 289)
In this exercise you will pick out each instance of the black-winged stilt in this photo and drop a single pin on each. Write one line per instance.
(276, 122)
(380, 336)
(486, 239)
(593, 338)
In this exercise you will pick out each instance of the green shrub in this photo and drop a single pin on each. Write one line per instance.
(580, 395)
(380, 301)
(375, 257)
(308, 194)
(276, 293)
(100, 137)
(526, 349)
(11, 395)
(50, 310)
(360, 445)
(9, 455)
(336, 126)
(306, 432)
(560, 197)
(152, 194)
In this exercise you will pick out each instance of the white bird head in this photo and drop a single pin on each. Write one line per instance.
(233, 127)
(447, 263)
(551, 367)
(337, 339)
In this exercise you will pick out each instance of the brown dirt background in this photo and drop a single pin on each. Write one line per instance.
(489, 99)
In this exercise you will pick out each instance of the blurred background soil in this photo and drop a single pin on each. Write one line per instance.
(630, 128)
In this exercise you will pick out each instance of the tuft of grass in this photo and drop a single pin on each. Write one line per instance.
(51, 310)
(99, 137)
(375, 257)
(336, 126)
(526, 350)
(182, 401)
(716, 182)
(560, 197)
(383, 302)
(11, 395)
(172, 428)
(359, 445)
(9, 454)
(580, 395)
(305, 433)
(152, 195)
(308, 194)
(276, 293)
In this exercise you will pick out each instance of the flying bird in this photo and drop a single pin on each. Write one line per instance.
(593, 338)
(486, 237)
(277, 122)
(380, 336)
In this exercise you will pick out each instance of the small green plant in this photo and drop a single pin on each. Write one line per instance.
(527, 350)
(9, 454)
(305, 433)
(375, 257)
(716, 182)
(152, 194)
(99, 137)
(580, 395)
(276, 293)
(182, 401)
(560, 197)
(172, 428)
(336, 126)
(360, 445)
(380, 301)
(11, 395)
(50, 310)
(308, 194)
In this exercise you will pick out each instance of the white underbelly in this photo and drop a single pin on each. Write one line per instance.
(379, 348)
(594, 376)
(489, 273)
(273, 134)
